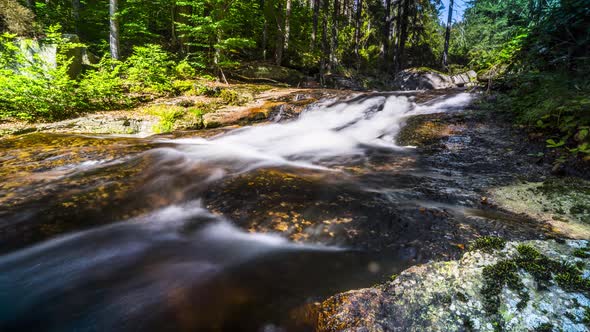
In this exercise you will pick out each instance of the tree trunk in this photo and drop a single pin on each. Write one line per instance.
(287, 27)
(386, 32)
(334, 40)
(324, 63)
(264, 30)
(280, 37)
(448, 36)
(357, 31)
(403, 34)
(114, 29)
(76, 15)
(314, 28)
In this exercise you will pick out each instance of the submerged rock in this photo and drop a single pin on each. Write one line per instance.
(563, 203)
(523, 287)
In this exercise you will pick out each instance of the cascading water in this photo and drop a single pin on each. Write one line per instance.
(234, 232)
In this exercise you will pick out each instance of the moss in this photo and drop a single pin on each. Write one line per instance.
(426, 70)
(539, 266)
(422, 131)
(560, 199)
(545, 327)
(393, 276)
(488, 244)
(581, 253)
(571, 280)
(503, 273)
(586, 319)
(544, 271)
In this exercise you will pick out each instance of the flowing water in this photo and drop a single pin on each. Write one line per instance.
(241, 231)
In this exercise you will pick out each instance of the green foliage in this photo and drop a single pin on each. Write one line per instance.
(31, 89)
(37, 92)
(168, 115)
(488, 244)
(230, 97)
(149, 69)
(184, 70)
(103, 86)
(555, 103)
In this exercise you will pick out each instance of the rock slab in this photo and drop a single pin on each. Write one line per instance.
(446, 296)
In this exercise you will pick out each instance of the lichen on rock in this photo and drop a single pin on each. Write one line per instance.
(534, 285)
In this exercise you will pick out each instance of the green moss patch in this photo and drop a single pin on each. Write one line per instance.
(488, 244)
(544, 270)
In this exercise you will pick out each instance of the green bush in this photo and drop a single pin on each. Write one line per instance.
(184, 70)
(149, 69)
(557, 104)
(35, 92)
(103, 86)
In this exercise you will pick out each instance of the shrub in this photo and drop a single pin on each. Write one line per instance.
(184, 70)
(149, 69)
(36, 92)
(103, 87)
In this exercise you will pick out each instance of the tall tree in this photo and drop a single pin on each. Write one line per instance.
(334, 40)
(447, 36)
(264, 29)
(287, 27)
(114, 29)
(314, 29)
(357, 30)
(403, 17)
(76, 14)
(279, 43)
(386, 38)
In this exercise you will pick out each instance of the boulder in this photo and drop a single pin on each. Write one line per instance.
(343, 83)
(529, 286)
(422, 79)
(34, 50)
(263, 72)
(464, 79)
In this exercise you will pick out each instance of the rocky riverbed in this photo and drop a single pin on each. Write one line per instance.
(541, 285)
(324, 192)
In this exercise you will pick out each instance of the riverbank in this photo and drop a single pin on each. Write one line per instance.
(237, 104)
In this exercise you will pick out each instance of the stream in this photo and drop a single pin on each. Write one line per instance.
(241, 231)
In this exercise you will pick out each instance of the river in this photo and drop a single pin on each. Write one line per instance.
(244, 230)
